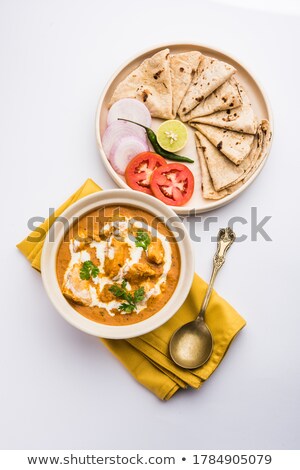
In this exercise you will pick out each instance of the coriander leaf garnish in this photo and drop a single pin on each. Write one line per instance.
(131, 301)
(142, 239)
(88, 270)
(128, 308)
(139, 294)
(117, 291)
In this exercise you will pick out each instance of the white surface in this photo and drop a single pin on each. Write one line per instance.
(278, 6)
(59, 387)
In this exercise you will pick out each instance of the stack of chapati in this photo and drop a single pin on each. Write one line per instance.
(205, 93)
(161, 82)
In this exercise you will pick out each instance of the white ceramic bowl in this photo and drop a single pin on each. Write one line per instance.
(125, 198)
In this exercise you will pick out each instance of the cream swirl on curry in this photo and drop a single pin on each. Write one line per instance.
(119, 269)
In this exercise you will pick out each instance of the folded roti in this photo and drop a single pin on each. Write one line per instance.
(211, 74)
(208, 190)
(241, 119)
(266, 137)
(234, 145)
(222, 171)
(183, 68)
(247, 164)
(257, 153)
(227, 96)
(151, 84)
(261, 143)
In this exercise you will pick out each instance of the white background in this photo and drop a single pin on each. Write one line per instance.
(61, 388)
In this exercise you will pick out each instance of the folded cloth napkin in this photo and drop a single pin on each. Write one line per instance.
(146, 357)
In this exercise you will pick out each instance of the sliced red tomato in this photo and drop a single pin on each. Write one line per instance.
(173, 184)
(139, 170)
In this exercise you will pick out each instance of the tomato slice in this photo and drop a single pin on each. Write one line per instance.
(173, 184)
(140, 169)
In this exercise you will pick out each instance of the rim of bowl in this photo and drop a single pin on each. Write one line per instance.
(123, 197)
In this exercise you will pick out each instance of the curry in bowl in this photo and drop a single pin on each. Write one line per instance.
(118, 265)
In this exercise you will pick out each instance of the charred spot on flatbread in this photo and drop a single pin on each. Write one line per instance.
(157, 74)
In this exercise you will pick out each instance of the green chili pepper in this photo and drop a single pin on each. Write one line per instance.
(158, 149)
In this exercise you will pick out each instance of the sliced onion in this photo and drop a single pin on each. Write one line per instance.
(124, 150)
(128, 108)
(119, 129)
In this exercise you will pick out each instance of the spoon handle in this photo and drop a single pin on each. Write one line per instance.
(226, 237)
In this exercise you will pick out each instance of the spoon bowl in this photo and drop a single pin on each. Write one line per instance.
(191, 345)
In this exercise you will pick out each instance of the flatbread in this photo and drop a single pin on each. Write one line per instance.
(266, 139)
(261, 144)
(227, 96)
(247, 164)
(241, 119)
(234, 145)
(211, 74)
(183, 68)
(151, 84)
(222, 171)
(208, 190)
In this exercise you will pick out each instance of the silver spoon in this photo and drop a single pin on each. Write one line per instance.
(192, 344)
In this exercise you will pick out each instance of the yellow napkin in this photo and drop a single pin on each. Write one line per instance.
(146, 357)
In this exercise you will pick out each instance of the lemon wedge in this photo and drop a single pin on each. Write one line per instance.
(172, 135)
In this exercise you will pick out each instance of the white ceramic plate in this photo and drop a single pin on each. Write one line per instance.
(197, 203)
(124, 198)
